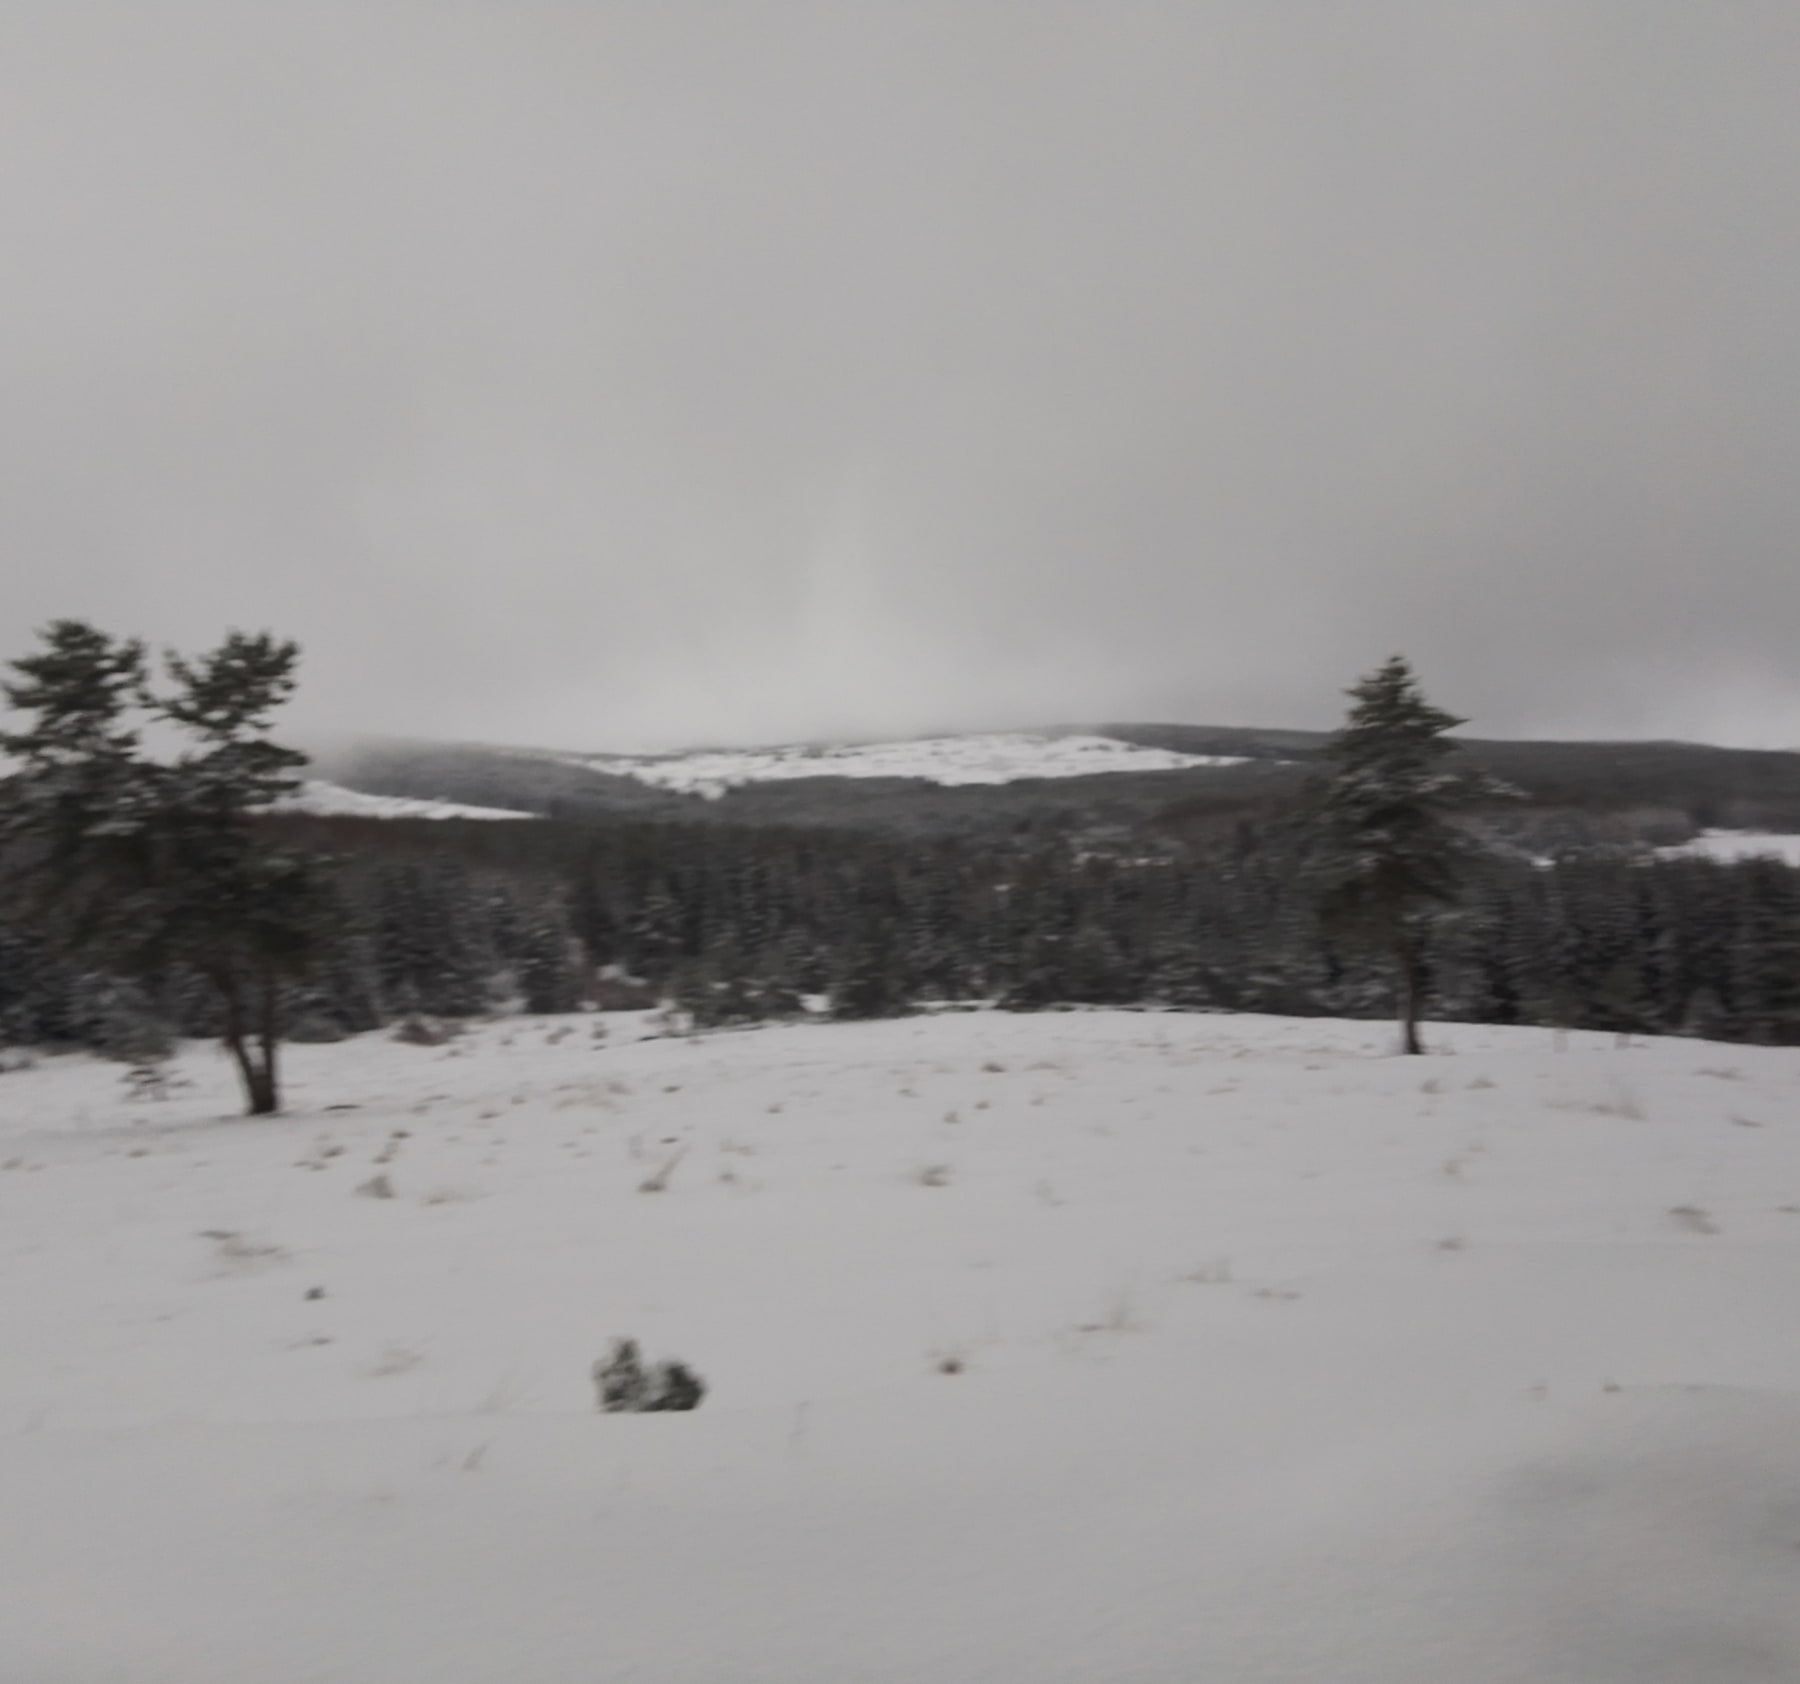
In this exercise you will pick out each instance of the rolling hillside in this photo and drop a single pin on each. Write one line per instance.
(1176, 779)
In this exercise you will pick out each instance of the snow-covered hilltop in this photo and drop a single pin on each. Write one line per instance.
(1105, 774)
(1731, 845)
(335, 801)
(993, 758)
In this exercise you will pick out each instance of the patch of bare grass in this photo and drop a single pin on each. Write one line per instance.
(1693, 1219)
(237, 1253)
(658, 1181)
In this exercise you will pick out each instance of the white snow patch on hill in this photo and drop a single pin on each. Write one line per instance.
(1063, 1348)
(1739, 845)
(995, 758)
(328, 799)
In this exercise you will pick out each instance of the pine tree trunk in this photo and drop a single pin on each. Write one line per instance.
(257, 1073)
(1406, 956)
(266, 1101)
(259, 1089)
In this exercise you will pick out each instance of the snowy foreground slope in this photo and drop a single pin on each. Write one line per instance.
(1275, 1359)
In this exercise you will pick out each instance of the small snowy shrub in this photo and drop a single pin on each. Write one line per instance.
(147, 1077)
(1622, 1101)
(1693, 1219)
(624, 1386)
(144, 1044)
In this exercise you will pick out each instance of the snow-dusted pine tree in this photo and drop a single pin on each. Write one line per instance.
(1765, 958)
(1387, 853)
(866, 980)
(153, 865)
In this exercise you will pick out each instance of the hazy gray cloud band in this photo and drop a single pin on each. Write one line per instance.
(600, 374)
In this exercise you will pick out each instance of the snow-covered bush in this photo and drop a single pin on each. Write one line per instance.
(624, 1386)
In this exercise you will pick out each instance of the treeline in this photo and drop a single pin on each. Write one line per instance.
(737, 926)
(151, 894)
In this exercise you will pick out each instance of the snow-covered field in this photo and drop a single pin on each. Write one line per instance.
(995, 758)
(333, 800)
(1730, 845)
(1086, 1347)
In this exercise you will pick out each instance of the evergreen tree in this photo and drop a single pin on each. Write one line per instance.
(1486, 959)
(549, 960)
(1039, 975)
(1387, 852)
(865, 982)
(1766, 955)
(716, 990)
(653, 943)
(777, 993)
(152, 865)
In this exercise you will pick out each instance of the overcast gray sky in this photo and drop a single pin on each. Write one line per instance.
(596, 375)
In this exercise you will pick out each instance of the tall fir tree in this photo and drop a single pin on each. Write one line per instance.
(1766, 955)
(1387, 853)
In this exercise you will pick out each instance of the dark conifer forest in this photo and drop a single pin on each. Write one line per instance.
(1361, 895)
(451, 919)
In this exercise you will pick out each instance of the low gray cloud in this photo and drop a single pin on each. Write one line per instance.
(612, 374)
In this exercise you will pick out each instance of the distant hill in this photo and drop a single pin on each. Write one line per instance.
(326, 800)
(1178, 780)
(970, 782)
